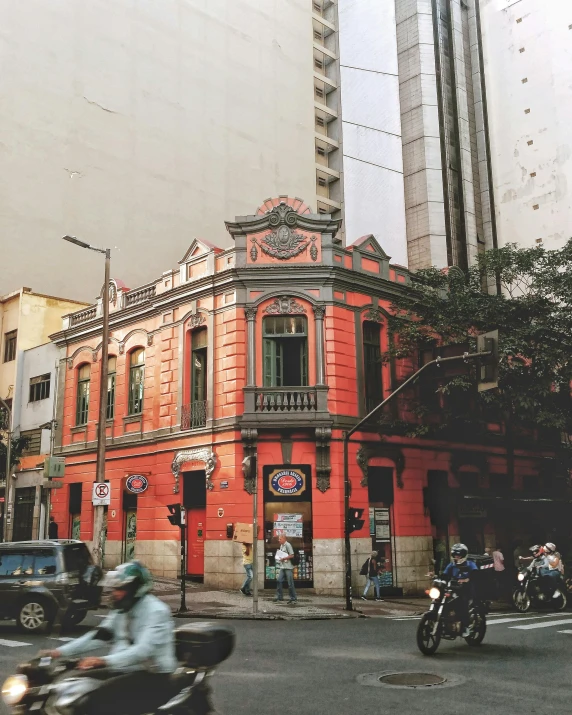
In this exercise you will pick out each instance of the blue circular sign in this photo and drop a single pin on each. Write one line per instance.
(137, 483)
(287, 482)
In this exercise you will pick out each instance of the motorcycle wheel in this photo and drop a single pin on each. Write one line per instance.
(426, 641)
(560, 602)
(569, 585)
(478, 630)
(521, 601)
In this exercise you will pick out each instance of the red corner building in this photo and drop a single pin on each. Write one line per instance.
(272, 348)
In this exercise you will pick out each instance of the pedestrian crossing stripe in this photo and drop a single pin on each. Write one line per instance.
(518, 618)
(570, 632)
(545, 624)
(12, 644)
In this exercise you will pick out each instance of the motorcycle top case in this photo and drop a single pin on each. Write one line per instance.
(204, 645)
(485, 577)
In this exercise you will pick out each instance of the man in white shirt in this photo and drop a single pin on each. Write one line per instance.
(286, 570)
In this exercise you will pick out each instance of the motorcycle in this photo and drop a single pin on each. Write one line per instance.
(443, 621)
(45, 686)
(532, 590)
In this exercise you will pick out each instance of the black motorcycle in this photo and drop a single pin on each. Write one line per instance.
(442, 620)
(534, 590)
(48, 687)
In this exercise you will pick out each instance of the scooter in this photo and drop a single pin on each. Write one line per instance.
(442, 619)
(45, 686)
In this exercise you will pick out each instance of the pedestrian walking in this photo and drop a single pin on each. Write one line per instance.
(500, 570)
(52, 529)
(247, 563)
(371, 571)
(284, 557)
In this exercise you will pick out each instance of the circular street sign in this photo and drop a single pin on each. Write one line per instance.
(102, 491)
(137, 483)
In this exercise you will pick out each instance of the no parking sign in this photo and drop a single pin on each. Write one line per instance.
(101, 494)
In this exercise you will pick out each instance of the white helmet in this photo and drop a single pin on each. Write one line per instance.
(550, 547)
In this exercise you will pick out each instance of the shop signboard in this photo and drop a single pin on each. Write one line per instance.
(289, 525)
(287, 482)
(382, 525)
(136, 484)
(472, 510)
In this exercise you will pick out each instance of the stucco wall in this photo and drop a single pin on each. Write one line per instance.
(536, 49)
(33, 363)
(140, 125)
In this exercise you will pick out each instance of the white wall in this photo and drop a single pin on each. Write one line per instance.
(30, 415)
(140, 125)
(546, 63)
(372, 153)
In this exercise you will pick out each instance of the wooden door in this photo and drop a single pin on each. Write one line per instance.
(196, 524)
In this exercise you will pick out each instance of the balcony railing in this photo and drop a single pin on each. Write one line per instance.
(194, 416)
(135, 297)
(83, 316)
(285, 399)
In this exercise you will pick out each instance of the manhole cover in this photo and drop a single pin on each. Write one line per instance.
(413, 680)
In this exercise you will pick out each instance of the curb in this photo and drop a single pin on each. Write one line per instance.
(265, 616)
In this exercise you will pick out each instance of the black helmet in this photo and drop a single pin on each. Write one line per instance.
(459, 553)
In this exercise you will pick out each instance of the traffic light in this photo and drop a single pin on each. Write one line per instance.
(488, 370)
(175, 515)
(355, 522)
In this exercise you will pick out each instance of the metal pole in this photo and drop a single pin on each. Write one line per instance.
(349, 606)
(255, 542)
(8, 489)
(183, 606)
(99, 511)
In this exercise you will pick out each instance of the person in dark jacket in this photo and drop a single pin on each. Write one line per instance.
(462, 570)
(52, 529)
(372, 571)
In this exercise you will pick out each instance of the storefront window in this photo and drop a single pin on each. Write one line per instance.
(380, 494)
(288, 511)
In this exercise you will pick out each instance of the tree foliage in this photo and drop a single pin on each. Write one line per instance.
(533, 313)
(18, 446)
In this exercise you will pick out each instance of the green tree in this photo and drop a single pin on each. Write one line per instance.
(533, 313)
(19, 445)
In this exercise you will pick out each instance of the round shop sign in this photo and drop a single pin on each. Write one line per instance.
(137, 483)
(287, 482)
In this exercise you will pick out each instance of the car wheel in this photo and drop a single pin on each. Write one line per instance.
(32, 616)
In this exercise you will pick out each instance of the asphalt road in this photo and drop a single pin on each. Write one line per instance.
(315, 667)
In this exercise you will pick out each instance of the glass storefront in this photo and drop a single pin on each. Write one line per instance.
(288, 512)
(380, 494)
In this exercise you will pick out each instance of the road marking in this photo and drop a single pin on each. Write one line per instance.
(520, 618)
(570, 632)
(408, 618)
(64, 639)
(546, 624)
(13, 644)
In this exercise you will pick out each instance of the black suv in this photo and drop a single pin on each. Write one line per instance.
(42, 579)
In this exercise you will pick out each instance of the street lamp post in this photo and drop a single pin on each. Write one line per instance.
(8, 487)
(99, 511)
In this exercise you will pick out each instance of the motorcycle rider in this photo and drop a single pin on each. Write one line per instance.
(135, 673)
(462, 569)
(555, 567)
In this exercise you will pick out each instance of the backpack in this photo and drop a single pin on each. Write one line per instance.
(364, 571)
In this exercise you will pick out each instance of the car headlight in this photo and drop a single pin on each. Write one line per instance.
(521, 577)
(434, 593)
(14, 689)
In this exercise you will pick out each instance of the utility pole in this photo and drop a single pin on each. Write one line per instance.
(255, 539)
(99, 511)
(8, 488)
(490, 353)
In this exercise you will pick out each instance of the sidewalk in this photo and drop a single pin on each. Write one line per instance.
(203, 602)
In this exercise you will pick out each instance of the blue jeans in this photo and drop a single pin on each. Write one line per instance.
(290, 578)
(248, 580)
(375, 581)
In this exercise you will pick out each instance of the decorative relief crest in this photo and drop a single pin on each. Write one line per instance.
(282, 243)
(254, 251)
(196, 320)
(194, 455)
(285, 306)
(313, 249)
(282, 214)
(375, 315)
(149, 340)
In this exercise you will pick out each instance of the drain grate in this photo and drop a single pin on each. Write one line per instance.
(412, 680)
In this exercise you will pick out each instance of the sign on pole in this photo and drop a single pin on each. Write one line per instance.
(54, 467)
(101, 495)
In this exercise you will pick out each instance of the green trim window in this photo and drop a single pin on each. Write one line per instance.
(285, 351)
(372, 364)
(136, 381)
(111, 373)
(199, 365)
(82, 400)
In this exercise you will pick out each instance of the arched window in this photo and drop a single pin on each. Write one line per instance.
(82, 399)
(136, 381)
(372, 364)
(285, 351)
(111, 372)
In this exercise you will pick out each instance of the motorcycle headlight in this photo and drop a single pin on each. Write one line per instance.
(14, 689)
(521, 577)
(434, 593)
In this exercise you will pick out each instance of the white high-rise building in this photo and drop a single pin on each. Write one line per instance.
(527, 46)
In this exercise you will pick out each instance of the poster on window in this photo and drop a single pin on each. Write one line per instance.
(382, 527)
(289, 525)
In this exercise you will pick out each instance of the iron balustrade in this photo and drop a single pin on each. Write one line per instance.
(194, 416)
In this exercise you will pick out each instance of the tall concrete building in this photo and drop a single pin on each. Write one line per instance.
(527, 46)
